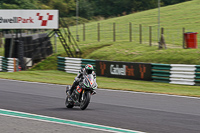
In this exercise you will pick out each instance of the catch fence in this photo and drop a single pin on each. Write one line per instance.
(130, 32)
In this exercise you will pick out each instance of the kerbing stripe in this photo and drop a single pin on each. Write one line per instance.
(64, 121)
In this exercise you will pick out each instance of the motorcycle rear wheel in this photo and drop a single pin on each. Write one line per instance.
(68, 104)
(86, 100)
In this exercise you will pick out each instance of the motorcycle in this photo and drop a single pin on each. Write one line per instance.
(82, 94)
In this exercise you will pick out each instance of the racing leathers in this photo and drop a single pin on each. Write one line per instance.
(78, 78)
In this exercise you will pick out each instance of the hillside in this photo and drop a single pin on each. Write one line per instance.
(173, 19)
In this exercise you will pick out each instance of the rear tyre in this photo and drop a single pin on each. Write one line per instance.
(86, 100)
(69, 104)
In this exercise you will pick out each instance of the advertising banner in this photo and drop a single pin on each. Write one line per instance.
(29, 19)
(138, 71)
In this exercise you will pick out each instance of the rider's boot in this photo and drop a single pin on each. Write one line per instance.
(72, 88)
(69, 93)
(94, 92)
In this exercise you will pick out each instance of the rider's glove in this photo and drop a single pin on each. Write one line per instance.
(78, 79)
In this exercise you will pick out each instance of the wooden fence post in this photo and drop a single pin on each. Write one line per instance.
(130, 32)
(140, 34)
(150, 36)
(98, 33)
(162, 30)
(184, 38)
(162, 43)
(114, 39)
(83, 32)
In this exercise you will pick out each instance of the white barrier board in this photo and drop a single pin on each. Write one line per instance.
(29, 19)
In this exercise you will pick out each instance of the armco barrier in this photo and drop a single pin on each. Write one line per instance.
(88, 61)
(61, 63)
(176, 74)
(129, 70)
(182, 74)
(69, 65)
(167, 73)
(197, 75)
(8, 64)
(1, 58)
(73, 65)
(161, 72)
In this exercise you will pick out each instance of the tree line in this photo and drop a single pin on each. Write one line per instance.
(88, 8)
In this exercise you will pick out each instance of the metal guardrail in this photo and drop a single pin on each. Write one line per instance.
(73, 65)
(182, 74)
(9, 64)
(176, 74)
(167, 73)
(88, 61)
(161, 73)
(1, 60)
(197, 75)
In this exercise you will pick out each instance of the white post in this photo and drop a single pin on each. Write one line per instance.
(158, 20)
(11, 45)
(55, 45)
(77, 15)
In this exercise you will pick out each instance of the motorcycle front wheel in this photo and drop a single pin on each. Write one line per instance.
(68, 104)
(85, 101)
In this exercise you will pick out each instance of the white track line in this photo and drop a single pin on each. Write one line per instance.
(43, 118)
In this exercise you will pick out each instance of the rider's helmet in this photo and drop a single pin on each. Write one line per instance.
(89, 68)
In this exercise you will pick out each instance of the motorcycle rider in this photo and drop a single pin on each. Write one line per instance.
(89, 69)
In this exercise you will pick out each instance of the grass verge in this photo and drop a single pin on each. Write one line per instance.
(63, 78)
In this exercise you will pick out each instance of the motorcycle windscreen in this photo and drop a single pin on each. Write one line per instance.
(89, 81)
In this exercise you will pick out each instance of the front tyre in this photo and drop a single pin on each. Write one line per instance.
(85, 101)
(68, 104)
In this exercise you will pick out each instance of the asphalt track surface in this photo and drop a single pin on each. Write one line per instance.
(152, 113)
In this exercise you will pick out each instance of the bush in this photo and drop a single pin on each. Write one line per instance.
(72, 20)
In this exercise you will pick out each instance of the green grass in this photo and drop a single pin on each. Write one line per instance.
(173, 19)
(60, 77)
(139, 53)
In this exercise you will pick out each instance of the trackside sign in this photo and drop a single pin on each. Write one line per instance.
(29, 19)
(129, 70)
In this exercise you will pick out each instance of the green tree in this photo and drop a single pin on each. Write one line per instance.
(63, 7)
(170, 2)
(9, 6)
(19, 4)
(86, 9)
(45, 1)
(108, 8)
